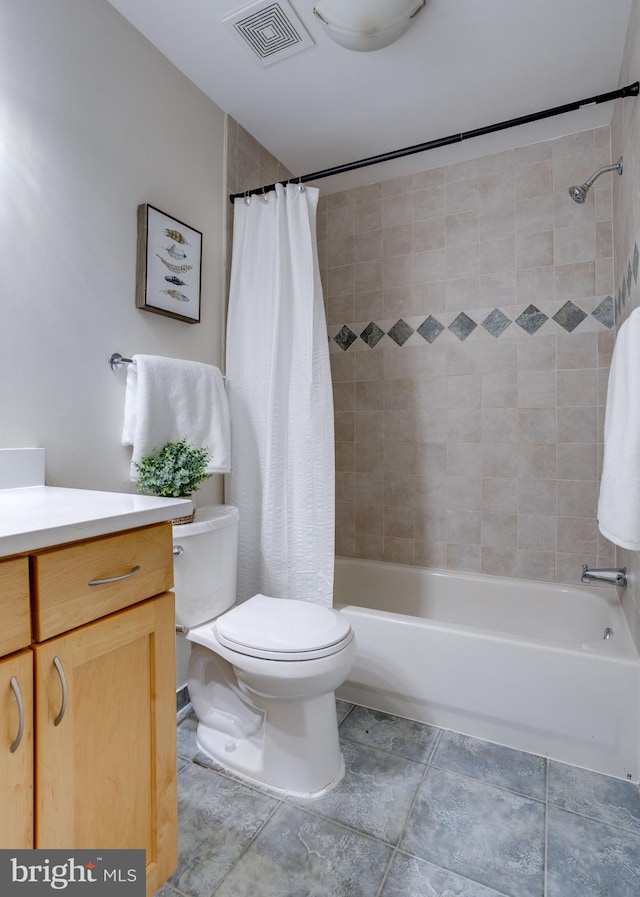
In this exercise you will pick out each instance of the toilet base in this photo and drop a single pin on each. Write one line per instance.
(295, 752)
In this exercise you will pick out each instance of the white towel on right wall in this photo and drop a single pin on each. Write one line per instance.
(619, 502)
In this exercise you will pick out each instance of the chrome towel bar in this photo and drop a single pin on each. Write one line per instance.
(117, 362)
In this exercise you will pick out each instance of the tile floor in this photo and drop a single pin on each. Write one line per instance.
(421, 812)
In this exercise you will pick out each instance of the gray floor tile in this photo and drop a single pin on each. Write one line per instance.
(375, 794)
(586, 858)
(590, 794)
(410, 739)
(409, 877)
(187, 746)
(298, 854)
(492, 763)
(342, 708)
(217, 820)
(474, 830)
(484, 833)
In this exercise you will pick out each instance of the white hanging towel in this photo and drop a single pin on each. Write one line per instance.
(619, 502)
(168, 399)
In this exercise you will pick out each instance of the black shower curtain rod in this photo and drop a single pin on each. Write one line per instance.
(631, 90)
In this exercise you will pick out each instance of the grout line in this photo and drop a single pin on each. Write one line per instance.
(436, 744)
(545, 869)
(375, 747)
(246, 847)
(173, 889)
(386, 871)
(396, 848)
(348, 713)
(464, 878)
(615, 825)
(411, 806)
(311, 812)
(464, 775)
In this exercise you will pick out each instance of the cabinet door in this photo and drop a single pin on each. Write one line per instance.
(16, 751)
(106, 766)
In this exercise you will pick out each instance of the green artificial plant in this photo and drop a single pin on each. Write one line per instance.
(175, 471)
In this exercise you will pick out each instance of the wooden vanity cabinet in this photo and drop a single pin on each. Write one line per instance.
(16, 707)
(107, 771)
(104, 683)
(15, 631)
(16, 756)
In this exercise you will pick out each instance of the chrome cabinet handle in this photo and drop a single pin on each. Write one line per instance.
(178, 550)
(63, 682)
(16, 690)
(102, 582)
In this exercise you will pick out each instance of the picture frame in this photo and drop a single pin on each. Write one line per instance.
(169, 266)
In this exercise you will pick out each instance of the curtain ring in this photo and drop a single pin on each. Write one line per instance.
(247, 198)
(301, 186)
(265, 198)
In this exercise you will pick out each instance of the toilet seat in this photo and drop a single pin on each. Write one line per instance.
(282, 629)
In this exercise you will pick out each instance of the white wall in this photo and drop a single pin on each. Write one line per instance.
(93, 121)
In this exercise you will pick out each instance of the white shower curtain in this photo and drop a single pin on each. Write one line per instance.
(279, 389)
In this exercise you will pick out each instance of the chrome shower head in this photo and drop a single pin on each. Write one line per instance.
(579, 194)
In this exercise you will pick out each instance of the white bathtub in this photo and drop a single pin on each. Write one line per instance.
(523, 664)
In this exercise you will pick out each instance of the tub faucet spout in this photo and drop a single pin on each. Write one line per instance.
(616, 577)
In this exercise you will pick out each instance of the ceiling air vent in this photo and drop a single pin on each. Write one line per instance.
(272, 31)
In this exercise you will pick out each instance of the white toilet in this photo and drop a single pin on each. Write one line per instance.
(262, 675)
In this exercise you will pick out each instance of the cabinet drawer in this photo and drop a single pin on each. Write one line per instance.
(15, 632)
(78, 583)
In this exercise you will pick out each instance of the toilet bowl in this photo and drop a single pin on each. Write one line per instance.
(262, 673)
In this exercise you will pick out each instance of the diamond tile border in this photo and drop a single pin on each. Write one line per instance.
(568, 318)
(430, 329)
(605, 312)
(531, 319)
(496, 323)
(372, 334)
(400, 332)
(462, 326)
(345, 337)
(627, 296)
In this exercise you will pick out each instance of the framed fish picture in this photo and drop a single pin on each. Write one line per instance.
(169, 266)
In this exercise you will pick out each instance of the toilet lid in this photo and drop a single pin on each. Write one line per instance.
(283, 629)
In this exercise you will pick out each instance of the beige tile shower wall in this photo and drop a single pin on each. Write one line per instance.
(475, 444)
(625, 138)
(249, 165)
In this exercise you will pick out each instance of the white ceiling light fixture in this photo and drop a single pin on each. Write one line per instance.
(367, 24)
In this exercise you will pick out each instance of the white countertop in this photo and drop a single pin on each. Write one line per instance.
(41, 516)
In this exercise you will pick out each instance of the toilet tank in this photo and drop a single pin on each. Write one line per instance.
(205, 559)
